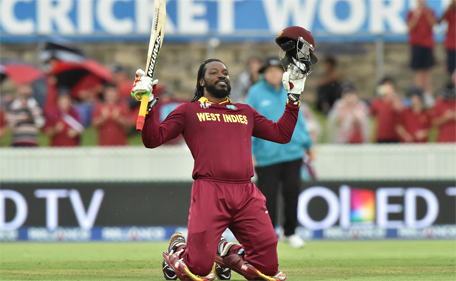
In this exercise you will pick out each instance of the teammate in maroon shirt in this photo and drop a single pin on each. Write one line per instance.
(445, 115)
(219, 135)
(63, 124)
(420, 22)
(415, 122)
(450, 39)
(111, 119)
(386, 110)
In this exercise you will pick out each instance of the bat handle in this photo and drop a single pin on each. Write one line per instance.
(142, 112)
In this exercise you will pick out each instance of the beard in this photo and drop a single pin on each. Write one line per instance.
(218, 93)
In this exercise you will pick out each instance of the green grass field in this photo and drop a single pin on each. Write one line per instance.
(325, 260)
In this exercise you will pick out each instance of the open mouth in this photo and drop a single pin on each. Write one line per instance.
(221, 83)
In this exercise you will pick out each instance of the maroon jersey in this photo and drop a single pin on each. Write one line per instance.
(386, 119)
(447, 131)
(219, 135)
(414, 122)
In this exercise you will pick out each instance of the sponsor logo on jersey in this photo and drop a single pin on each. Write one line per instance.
(231, 107)
(205, 105)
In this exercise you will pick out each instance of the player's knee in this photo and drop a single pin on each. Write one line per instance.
(270, 268)
(202, 268)
(202, 263)
(265, 259)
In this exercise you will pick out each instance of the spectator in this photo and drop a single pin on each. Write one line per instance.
(111, 118)
(348, 120)
(450, 40)
(445, 115)
(311, 122)
(386, 110)
(86, 93)
(415, 122)
(25, 118)
(122, 81)
(63, 125)
(328, 90)
(7, 93)
(279, 163)
(3, 125)
(308, 172)
(420, 22)
(245, 80)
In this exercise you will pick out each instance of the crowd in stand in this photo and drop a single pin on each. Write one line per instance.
(399, 118)
(80, 93)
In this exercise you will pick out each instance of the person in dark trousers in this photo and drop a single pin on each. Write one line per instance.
(450, 38)
(279, 164)
(420, 22)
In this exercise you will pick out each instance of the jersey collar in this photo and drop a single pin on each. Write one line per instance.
(205, 100)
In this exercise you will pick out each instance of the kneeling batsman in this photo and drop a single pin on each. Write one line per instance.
(298, 46)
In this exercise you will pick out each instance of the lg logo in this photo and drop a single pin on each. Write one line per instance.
(85, 218)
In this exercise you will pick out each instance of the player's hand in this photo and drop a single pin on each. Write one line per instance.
(142, 85)
(294, 80)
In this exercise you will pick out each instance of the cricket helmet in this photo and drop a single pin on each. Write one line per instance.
(297, 43)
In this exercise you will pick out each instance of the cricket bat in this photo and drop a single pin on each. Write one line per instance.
(155, 43)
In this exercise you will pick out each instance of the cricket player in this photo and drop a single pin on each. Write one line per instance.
(219, 135)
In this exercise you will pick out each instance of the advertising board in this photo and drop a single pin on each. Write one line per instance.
(189, 20)
(321, 205)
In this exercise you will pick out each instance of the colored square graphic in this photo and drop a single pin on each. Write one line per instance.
(362, 205)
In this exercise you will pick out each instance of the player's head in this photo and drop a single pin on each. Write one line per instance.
(330, 63)
(415, 96)
(387, 87)
(213, 78)
(64, 103)
(110, 94)
(349, 93)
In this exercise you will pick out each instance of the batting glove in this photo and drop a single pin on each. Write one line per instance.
(294, 79)
(142, 85)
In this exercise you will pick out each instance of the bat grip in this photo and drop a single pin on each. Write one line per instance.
(142, 112)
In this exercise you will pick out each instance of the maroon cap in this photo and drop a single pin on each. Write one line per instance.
(293, 33)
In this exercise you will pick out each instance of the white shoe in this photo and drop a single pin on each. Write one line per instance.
(295, 241)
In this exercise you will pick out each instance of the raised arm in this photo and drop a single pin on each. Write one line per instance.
(430, 17)
(154, 134)
(280, 131)
(294, 81)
